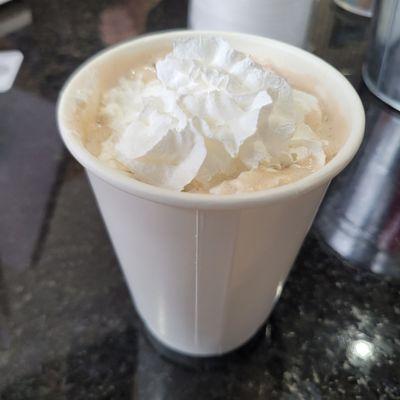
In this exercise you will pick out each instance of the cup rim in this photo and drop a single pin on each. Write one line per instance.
(204, 200)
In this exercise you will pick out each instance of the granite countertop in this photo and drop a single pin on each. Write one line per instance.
(68, 329)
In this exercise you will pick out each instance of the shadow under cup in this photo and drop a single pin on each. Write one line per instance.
(205, 271)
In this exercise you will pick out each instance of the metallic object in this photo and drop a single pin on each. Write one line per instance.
(381, 71)
(360, 217)
(359, 7)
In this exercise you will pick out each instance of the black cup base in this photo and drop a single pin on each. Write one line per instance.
(207, 362)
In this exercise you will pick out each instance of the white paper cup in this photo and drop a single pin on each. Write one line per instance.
(205, 271)
(285, 20)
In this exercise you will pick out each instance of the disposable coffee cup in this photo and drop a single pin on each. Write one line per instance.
(205, 271)
(285, 20)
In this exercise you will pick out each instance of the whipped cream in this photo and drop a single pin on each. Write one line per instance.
(207, 116)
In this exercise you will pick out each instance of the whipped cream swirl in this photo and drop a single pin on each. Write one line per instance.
(208, 114)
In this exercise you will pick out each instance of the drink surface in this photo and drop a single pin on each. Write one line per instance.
(102, 124)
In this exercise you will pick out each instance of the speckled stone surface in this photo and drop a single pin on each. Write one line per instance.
(68, 329)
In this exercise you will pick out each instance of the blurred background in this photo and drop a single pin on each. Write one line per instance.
(67, 326)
